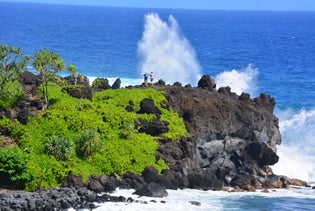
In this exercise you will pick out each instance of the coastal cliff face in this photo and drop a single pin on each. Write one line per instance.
(231, 136)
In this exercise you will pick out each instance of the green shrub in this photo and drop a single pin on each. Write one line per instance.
(13, 163)
(89, 142)
(46, 171)
(11, 93)
(59, 146)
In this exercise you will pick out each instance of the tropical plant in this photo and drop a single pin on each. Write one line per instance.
(47, 63)
(59, 146)
(73, 71)
(89, 142)
(12, 64)
(127, 130)
(13, 167)
(96, 83)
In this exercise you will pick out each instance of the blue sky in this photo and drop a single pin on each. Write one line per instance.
(194, 4)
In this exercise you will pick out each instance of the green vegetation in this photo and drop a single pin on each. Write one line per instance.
(102, 131)
(89, 142)
(101, 137)
(73, 71)
(59, 146)
(12, 64)
(47, 63)
(13, 167)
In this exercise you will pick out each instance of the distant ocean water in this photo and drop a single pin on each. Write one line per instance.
(250, 51)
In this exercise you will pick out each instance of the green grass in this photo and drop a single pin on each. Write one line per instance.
(123, 148)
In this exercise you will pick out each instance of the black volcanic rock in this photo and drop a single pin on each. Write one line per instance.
(150, 174)
(154, 128)
(116, 84)
(260, 152)
(152, 190)
(147, 107)
(206, 82)
(231, 135)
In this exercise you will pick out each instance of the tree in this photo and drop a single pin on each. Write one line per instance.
(12, 65)
(47, 63)
(73, 71)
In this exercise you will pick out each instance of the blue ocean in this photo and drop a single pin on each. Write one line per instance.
(256, 52)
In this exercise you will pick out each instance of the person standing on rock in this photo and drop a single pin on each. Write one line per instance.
(151, 77)
(146, 76)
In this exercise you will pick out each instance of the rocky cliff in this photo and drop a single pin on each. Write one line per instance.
(231, 136)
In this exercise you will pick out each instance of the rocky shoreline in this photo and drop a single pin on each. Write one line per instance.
(232, 144)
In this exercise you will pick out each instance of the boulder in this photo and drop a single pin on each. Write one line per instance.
(73, 181)
(206, 82)
(152, 190)
(154, 128)
(262, 154)
(104, 84)
(204, 181)
(79, 91)
(109, 183)
(132, 181)
(95, 185)
(116, 84)
(245, 182)
(150, 174)
(147, 107)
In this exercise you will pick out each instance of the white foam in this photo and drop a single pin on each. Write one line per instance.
(209, 200)
(164, 51)
(243, 80)
(296, 152)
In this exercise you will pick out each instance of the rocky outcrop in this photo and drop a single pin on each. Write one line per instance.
(232, 136)
(116, 84)
(31, 104)
(152, 190)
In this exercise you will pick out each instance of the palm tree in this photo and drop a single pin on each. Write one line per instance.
(47, 63)
(73, 71)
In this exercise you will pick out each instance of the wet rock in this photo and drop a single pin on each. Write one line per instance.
(152, 190)
(196, 203)
(260, 152)
(204, 181)
(298, 182)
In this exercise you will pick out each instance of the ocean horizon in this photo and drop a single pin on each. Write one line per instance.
(255, 52)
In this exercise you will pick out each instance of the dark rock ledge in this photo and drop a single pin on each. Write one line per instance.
(233, 142)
